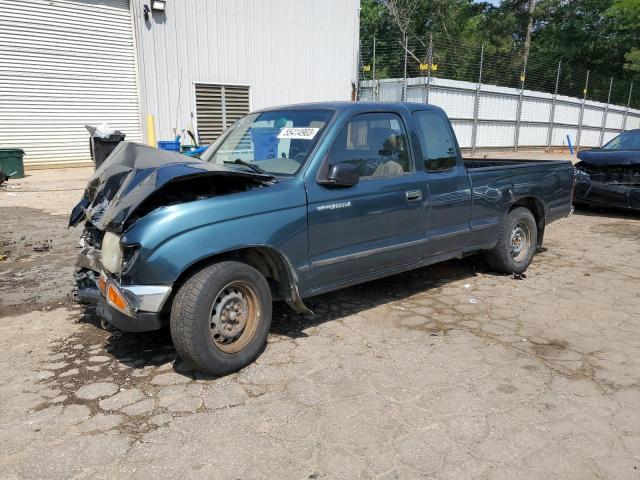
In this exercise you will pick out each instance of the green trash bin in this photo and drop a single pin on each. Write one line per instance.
(12, 162)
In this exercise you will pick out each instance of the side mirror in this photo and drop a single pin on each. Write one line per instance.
(341, 175)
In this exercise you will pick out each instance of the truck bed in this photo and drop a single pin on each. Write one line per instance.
(496, 183)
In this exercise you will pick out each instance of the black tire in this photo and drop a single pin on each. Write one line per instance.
(193, 317)
(501, 257)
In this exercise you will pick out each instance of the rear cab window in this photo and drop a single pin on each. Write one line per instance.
(437, 142)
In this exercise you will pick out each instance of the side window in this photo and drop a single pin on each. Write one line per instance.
(376, 143)
(436, 141)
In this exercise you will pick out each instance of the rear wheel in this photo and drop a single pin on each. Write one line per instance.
(221, 316)
(517, 242)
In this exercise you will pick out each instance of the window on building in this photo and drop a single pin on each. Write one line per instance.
(218, 107)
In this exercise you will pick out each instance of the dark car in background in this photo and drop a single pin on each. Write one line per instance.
(610, 176)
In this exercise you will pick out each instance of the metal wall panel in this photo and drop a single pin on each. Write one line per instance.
(567, 113)
(592, 116)
(535, 110)
(367, 95)
(463, 130)
(560, 135)
(64, 64)
(287, 51)
(614, 119)
(608, 135)
(416, 94)
(498, 107)
(457, 104)
(533, 135)
(495, 134)
(633, 121)
(589, 137)
(389, 91)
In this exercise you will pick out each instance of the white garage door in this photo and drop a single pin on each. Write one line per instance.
(64, 64)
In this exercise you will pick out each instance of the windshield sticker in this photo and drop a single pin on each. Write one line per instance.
(306, 133)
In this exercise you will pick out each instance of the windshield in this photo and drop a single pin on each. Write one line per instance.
(276, 142)
(624, 141)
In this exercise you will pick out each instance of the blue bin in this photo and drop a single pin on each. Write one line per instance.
(170, 145)
(195, 152)
(265, 143)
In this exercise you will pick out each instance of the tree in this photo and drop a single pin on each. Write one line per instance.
(624, 17)
(632, 63)
(403, 13)
(602, 36)
(527, 39)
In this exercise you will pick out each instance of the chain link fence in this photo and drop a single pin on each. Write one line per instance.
(493, 98)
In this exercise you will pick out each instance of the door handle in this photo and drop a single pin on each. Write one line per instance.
(413, 195)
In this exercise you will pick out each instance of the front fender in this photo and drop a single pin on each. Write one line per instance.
(281, 230)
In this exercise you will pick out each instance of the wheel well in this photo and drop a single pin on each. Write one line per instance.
(536, 207)
(267, 261)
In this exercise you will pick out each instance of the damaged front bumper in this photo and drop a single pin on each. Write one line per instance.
(131, 308)
(593, 189)
(608, 178)
(150, 298)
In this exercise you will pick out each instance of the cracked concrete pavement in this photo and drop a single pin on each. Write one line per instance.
(444, 372)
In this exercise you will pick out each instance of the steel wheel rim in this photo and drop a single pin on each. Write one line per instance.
(520, 241)
(234, 317)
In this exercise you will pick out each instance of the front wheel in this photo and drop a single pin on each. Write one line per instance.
(220, 317)
(517, 242)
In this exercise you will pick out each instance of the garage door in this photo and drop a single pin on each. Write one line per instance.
(64, 64)
(218, 107)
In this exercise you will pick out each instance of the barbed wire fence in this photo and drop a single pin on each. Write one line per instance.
(423, 60)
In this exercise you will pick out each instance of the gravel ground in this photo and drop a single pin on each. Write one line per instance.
(444, 372)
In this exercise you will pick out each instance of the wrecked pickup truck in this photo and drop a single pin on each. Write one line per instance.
(293, 202)
(610, 176)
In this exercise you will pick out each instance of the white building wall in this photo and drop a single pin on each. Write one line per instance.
(287, 51)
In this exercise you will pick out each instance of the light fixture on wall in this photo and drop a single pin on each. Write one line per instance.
(158, 5)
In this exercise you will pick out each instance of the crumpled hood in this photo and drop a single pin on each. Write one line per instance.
(598, 157)
(131, 174)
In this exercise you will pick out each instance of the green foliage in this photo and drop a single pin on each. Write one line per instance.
(602, 36)
(632, 60)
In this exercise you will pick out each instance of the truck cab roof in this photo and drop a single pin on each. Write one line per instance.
(355, 107)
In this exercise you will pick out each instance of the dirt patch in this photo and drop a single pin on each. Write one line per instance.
(553, 347)
(38, 256)
(620, 228)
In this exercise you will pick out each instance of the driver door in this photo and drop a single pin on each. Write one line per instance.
(379, 223)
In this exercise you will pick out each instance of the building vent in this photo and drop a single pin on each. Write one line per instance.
(218, 107)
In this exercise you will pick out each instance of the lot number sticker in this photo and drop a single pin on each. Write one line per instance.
(306, 133)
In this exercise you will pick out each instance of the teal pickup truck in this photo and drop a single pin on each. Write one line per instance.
(293, 202)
